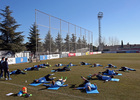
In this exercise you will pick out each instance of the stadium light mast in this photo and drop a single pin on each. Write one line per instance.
(100, 15)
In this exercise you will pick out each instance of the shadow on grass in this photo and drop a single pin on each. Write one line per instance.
(14, 95)
(81, 85)
(46, 87)
(2, 80)
(42, 89)
(72, 86)
(92, 78)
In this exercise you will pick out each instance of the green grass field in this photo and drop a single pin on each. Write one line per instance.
(127, 88)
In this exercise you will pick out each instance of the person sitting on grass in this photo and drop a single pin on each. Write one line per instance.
(83, 63)
(18, 71)
(44, 79)
(87, 85)
(101, 77)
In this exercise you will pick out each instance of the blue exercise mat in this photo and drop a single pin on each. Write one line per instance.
(119, 74)
(52, 70)
(35, 84)
(92, 91)
(57, 71)
(52, 87)
(115, 79)
(111, 67)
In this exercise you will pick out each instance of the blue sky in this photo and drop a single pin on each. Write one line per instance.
(120, 17)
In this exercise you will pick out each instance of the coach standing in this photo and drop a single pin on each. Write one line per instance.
(6, 69)
(1, 67)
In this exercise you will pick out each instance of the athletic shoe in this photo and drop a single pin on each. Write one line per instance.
(2, 77)
(10, 78)
(6, 79)
(52, 74)
(81, 76)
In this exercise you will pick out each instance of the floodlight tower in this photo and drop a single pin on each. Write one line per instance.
(100, 15)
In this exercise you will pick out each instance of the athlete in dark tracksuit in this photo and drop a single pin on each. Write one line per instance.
(1, 66)
(6, 69)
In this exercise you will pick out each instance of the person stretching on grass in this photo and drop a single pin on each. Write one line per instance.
(96, 65)
(70, 64)
(126, 69)
(110, 66)
(101, 77)
(32, 68)
(18, 71)
(83, 63)
(87, 85)
(59, 82)
(44, 65)
(110, 72)
(59, 64)
(62, 69)
(45, 78)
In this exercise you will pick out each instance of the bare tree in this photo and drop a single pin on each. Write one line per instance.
(113, 41)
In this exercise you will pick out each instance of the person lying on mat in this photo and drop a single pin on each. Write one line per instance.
(18, 71)
(96, 65)
(87, 85)
(110, 66)
(31, 68)
(126, 69)
(46, 65)
(110, 72)
(59, 64)
(62, 69)
(45, 78)
(59, 82)
(101, 77)
(83, 63)
(70, 64)
(42, 65)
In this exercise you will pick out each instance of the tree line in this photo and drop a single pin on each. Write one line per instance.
(12, 40)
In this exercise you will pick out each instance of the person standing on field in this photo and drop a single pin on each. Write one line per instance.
(1, 67)
(6, 69)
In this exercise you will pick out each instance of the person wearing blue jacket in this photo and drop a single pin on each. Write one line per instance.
(87, 85)
(101, 77)
(1, 67)
(6, 69)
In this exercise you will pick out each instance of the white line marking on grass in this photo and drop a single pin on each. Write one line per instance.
(49, 91)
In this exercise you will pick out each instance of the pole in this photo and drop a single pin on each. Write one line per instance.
(69, 36)
(50, 33)
(61, 40)
(36, 36)
(75, 39)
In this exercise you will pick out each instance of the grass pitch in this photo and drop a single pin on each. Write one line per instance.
(127, 88)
